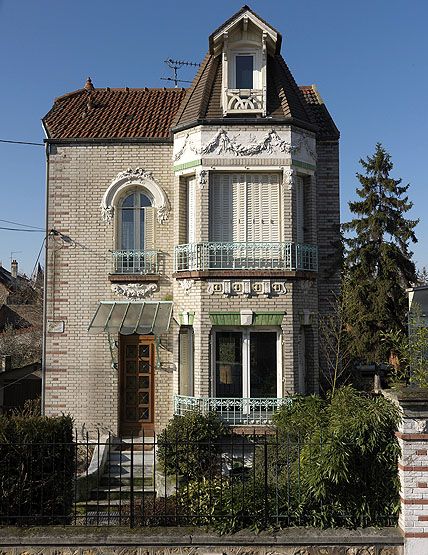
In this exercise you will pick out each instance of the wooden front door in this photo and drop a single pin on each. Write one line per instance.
(137, 364)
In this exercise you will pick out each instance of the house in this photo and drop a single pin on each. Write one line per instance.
(192, 241)
(20, 338)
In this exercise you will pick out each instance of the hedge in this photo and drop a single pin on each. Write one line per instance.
(37, 461)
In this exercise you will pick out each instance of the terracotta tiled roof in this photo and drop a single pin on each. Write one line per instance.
(325, 123)
(113, 113)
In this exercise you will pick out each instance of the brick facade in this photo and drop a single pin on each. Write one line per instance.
(81, 369)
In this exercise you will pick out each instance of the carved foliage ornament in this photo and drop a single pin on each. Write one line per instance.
(221, 143)
(132, 177)
(135, 290)
(186, 284)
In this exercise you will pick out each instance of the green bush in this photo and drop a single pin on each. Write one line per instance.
(36, 470)
(227, 504)
(189, 445)
(338, 459)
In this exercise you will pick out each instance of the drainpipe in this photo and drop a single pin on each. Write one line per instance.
(45, 284)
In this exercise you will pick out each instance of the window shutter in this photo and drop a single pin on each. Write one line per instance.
(221, 211)
(239, 208)
(299, 210)
(149, 228)
(263, 208)
(191, 210)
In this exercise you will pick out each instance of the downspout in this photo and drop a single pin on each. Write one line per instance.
(45, 282)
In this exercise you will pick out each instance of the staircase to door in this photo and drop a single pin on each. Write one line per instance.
(128, 478)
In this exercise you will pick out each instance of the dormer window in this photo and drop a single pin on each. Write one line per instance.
(244, 42)
(244, 70)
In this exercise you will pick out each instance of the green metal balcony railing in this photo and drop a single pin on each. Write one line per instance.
(233, 410)
(245, 256)
(135, 262)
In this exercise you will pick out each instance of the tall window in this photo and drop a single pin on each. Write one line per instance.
(246, 363)
(136, 222)
(244, 68)
(245, 208)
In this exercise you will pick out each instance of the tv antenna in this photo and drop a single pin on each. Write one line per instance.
(175, 65)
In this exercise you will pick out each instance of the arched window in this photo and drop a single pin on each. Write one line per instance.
(136, 222)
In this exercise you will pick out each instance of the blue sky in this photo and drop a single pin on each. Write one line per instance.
(368, 59)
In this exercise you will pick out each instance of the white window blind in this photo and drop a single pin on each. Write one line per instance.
(245, 208)
(191, 210)
(300, 199)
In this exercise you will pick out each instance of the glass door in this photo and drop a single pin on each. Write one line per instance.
(263, 364)
(228, 364)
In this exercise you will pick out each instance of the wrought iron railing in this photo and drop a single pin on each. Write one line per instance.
(244, 100)
(233, 410)
(246, 256)
(135, 262)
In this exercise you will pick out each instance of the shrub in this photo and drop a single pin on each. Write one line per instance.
(342, 470)
(227, 504)
(189, 445)
(36, 470)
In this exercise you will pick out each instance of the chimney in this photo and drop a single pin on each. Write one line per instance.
(14, 268)
(5, 363)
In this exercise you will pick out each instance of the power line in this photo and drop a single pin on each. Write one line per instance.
(27, 230)
(20, 142)
(23, 225)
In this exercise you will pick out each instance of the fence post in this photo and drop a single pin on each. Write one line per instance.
(412, 436)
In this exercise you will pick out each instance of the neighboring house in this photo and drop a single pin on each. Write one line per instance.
(418, 299)
(20, 338)
(193, 240)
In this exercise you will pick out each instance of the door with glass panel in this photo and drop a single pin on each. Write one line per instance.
(137, 361)
(246, 363)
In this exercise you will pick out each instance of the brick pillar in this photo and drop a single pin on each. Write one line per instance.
(412, 436)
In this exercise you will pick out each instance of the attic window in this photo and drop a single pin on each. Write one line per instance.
(244, 69)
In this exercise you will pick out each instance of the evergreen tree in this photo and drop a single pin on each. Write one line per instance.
(378, 263)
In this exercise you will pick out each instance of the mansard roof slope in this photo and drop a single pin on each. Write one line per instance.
(113, 113)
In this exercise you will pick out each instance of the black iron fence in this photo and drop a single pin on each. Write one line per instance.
(238, 481)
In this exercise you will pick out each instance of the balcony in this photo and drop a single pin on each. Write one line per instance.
(245, 256)
(236, 411)
(244, 100)
(135, 262)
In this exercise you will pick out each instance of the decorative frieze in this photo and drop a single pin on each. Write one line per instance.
(245, 144)
(135, 290)
(247, 288)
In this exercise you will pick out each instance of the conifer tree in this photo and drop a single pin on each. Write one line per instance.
(378, 262)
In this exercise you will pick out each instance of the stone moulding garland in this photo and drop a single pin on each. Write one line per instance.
(127, 179)
(221, 143)
(135, 290)
(247, 288)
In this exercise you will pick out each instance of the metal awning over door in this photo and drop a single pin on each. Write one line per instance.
(126, 318)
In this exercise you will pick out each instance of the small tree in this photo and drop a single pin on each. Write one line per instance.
(334, 343)
(378, 261)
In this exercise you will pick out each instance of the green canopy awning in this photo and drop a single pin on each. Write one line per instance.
(141, 317)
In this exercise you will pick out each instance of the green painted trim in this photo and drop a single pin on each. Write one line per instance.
(303, 165)
(225, 318)
(268, 318)
(191, 319)
(187, 165)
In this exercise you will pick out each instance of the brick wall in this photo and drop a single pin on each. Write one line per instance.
(77, 273)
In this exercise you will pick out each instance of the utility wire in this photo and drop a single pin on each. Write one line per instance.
(28, 230)
(33, 274)
(21, 142)
(23, 225)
